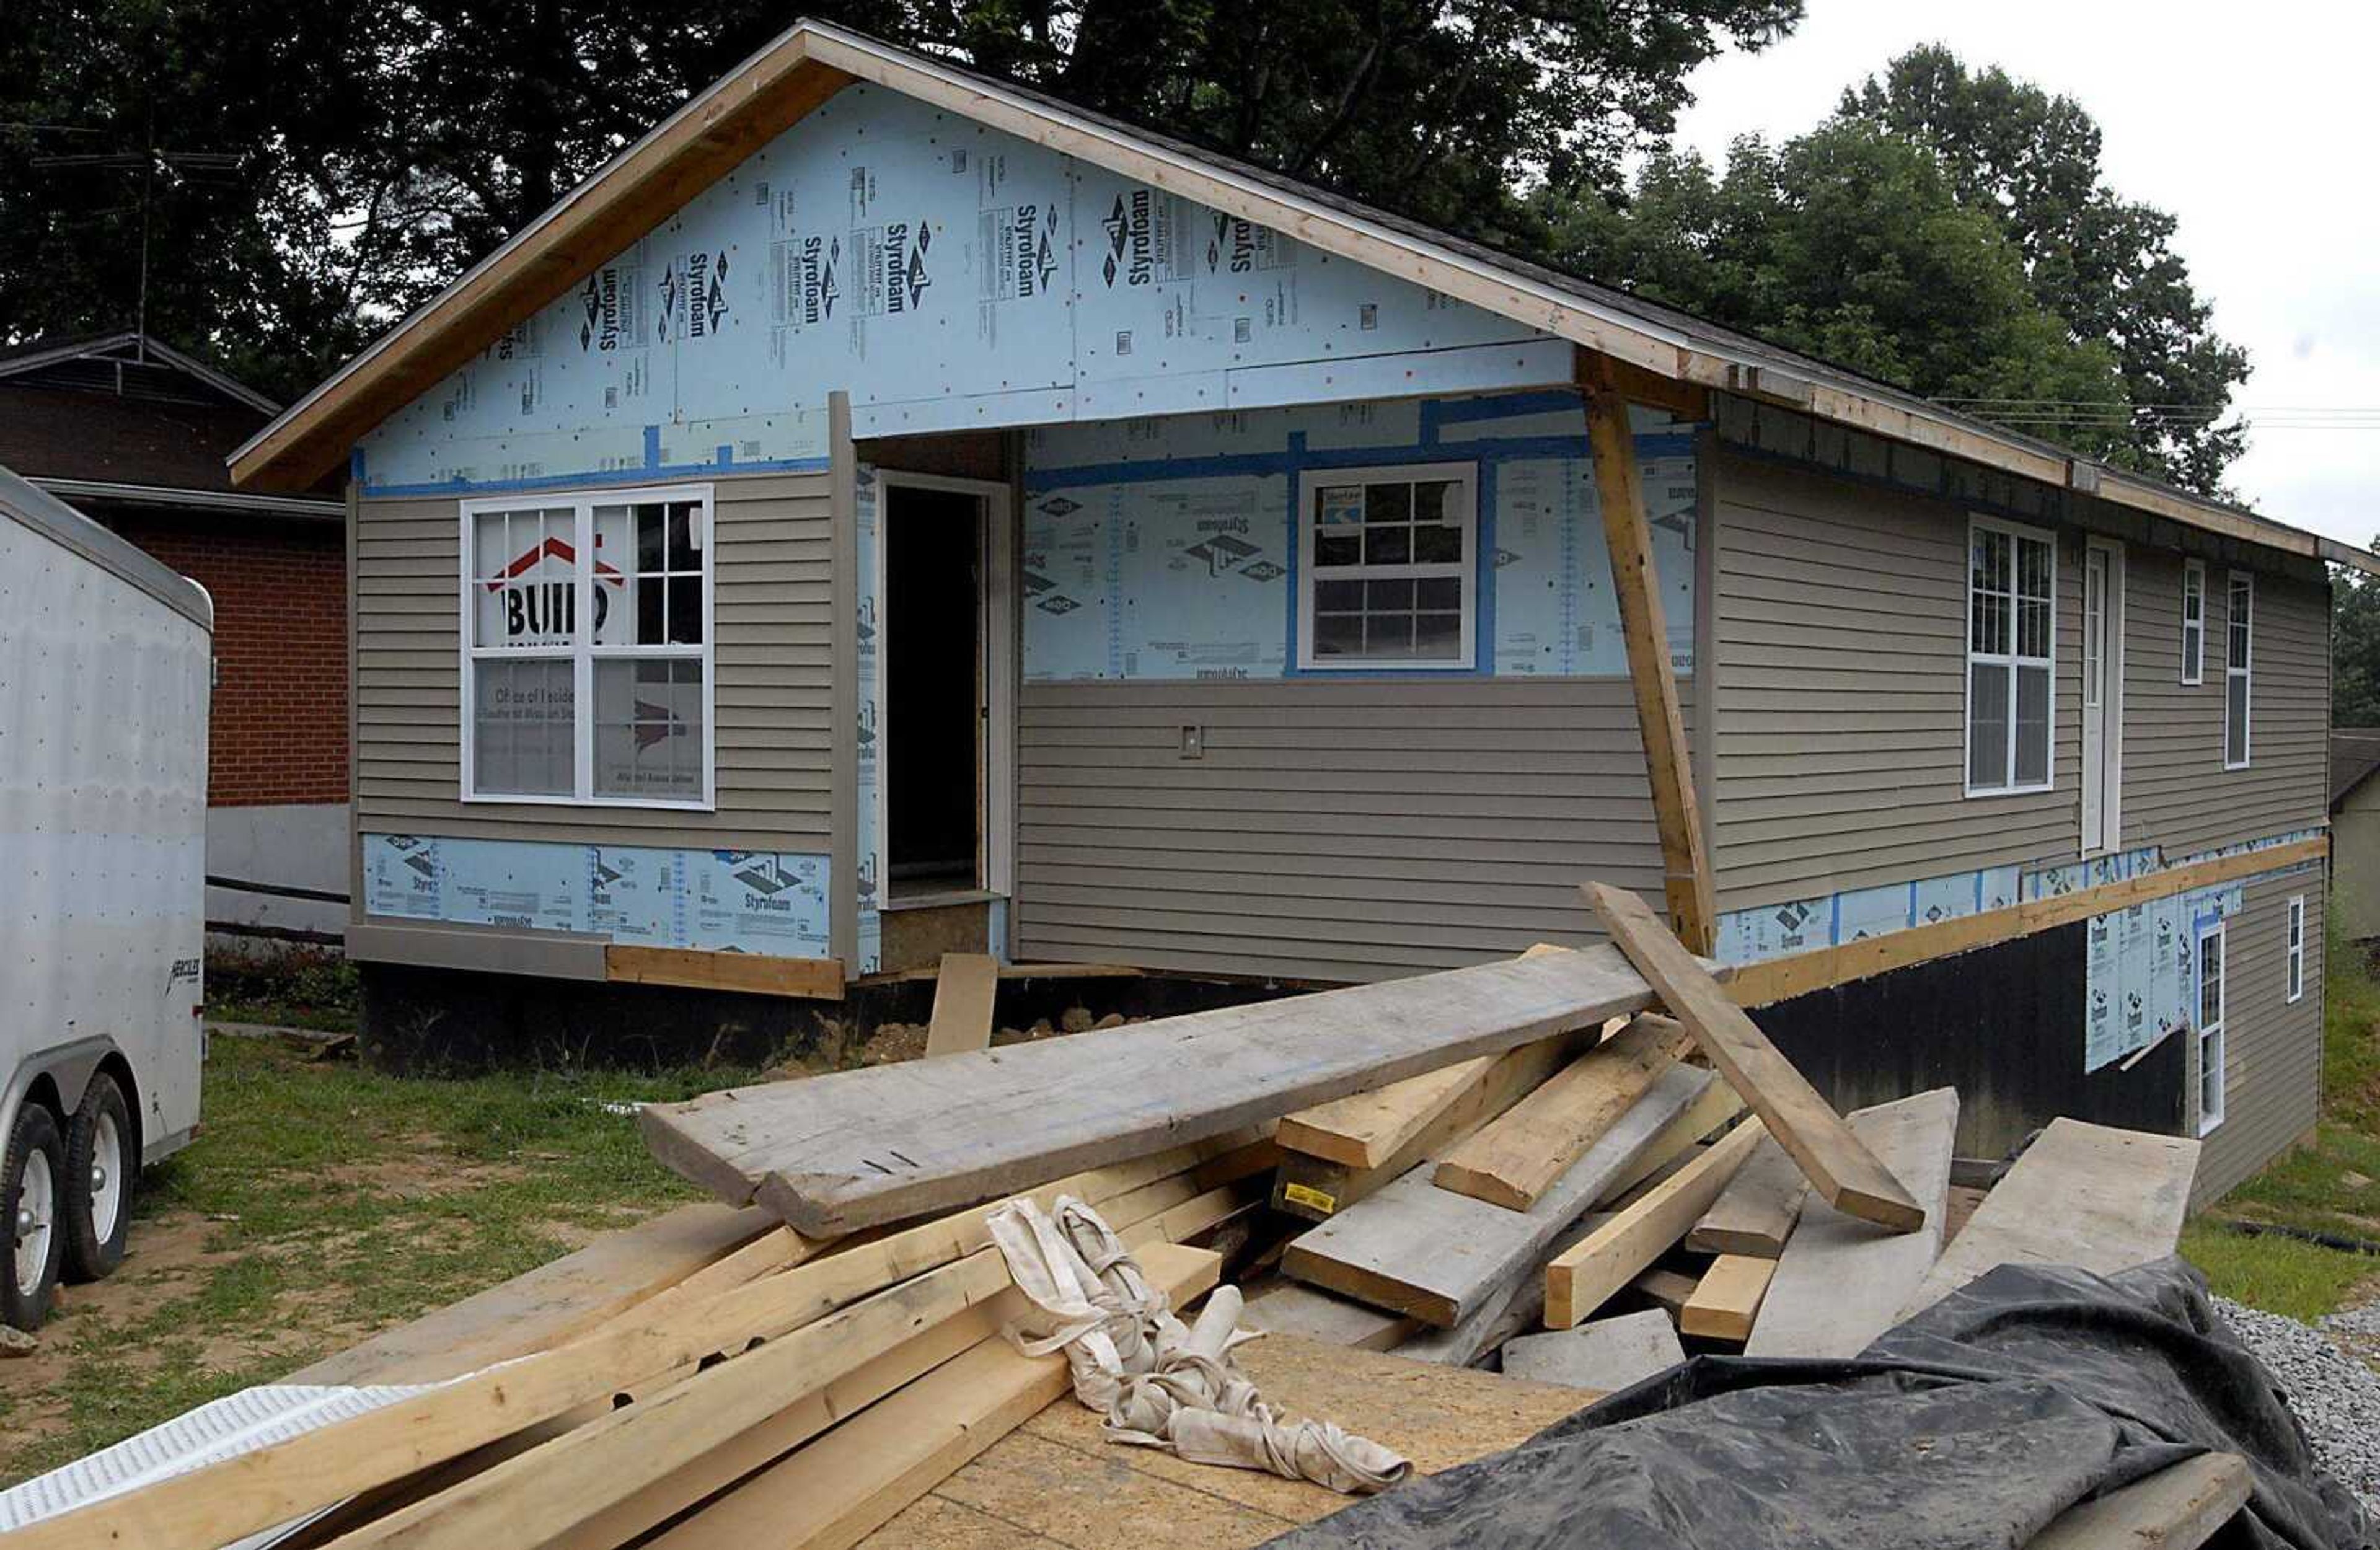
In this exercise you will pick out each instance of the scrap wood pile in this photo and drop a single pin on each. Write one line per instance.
(1488, 1165)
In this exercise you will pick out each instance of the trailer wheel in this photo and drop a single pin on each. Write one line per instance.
(99, 1177)
(30, 1191)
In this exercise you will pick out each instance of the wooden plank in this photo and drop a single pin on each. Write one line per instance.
(1583, 1276)
(2179, 1507)
(638, 1488)
(2086, 1195)
(853, 1148)
(1314, 1189)
(1845, 1172)
(1365, 1130)
(1636, 584)
(962, 997)
(1285, 1307)
(1606, 1355)
(1420, 1250)
(1370, 1130)
(1755, 1213)
(1726, 1301)
(552, 1304)
(1513, 1160)
(756, 973)
(1840, 1282)
(1777, 979)
(1015, 971)
(257, 1490)
(1522, 1303)
(834, 1492)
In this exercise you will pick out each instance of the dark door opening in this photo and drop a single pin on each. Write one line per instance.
(933, 688)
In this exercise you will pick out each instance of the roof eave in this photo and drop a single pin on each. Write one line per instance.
(310, 439)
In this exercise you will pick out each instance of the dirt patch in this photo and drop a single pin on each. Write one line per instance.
(421, 1167)
(167, 1258)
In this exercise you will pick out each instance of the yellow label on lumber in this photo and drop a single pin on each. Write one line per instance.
(1309, 1197)
(1512, 1160)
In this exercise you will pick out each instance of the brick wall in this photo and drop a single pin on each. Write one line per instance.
(279, 732)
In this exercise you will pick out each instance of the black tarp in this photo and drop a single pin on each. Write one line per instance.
(1969, 1426)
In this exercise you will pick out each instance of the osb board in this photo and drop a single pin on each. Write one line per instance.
(1056, 1482)
(917, 939)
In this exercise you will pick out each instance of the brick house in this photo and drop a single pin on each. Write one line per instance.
(134, 433)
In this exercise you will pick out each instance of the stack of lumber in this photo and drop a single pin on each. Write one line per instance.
(685, 1376)
(1576, 1167)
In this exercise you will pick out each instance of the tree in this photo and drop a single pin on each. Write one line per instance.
(2103, 264)
(381, 146)
(2354, 649)
(1850, 243)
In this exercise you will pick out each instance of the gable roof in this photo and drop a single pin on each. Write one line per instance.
(719, 128)
(106, 360)
(2354, 755)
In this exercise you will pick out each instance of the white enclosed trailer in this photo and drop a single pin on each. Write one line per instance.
(104, 674)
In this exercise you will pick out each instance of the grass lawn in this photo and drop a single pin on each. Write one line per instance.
(2332, 1187)
(324, 1202)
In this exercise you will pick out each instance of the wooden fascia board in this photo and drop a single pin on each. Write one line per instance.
(1777, 979)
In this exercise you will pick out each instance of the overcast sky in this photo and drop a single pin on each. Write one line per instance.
(2252, 126)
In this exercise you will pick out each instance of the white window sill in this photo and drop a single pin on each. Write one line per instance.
(1978, 793)
(498, 800)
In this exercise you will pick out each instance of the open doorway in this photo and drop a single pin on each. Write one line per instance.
(934, 724)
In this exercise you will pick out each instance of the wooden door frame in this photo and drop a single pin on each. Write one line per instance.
(996, 659)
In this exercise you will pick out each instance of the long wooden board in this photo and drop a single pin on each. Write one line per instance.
(832, 1493)
(2179, 1507)
(1777, 979)
(1420, 1250)
(854, 1148)
(1828, 1154)
(752, 973)
(1755, 1213)
(1583, 1278)
(535, 1497)
(1514, 1158)
(1840, 1282)
(964, 993)
(2087, 1195)
(1637, 585)
(253, 1491)
(1285, 1307)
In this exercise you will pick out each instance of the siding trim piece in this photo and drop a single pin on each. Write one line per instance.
(843, 652)
(479, 949)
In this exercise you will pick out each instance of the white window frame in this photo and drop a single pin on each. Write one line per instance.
(2211, 1039)
(2245, 673)
(2008, 659)
(583, 652)
(2193, 631)
(1467, 572)
(2296, 940)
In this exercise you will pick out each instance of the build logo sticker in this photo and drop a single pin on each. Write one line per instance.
(539, 612)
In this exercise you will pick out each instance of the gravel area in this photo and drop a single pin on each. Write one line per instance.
(2334, 1396)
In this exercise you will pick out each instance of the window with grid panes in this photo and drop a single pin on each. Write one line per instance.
(1389, 563)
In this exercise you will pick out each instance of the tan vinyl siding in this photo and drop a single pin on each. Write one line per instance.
(1332, 830)
(2273, 1046)
(1840, 628)
(772, 570)
(2176, 793)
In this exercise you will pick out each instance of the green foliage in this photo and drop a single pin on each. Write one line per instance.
(2354, 649)
(1947, 231)
(371, 150)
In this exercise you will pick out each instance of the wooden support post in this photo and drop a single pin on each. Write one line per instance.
(1686, 881)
